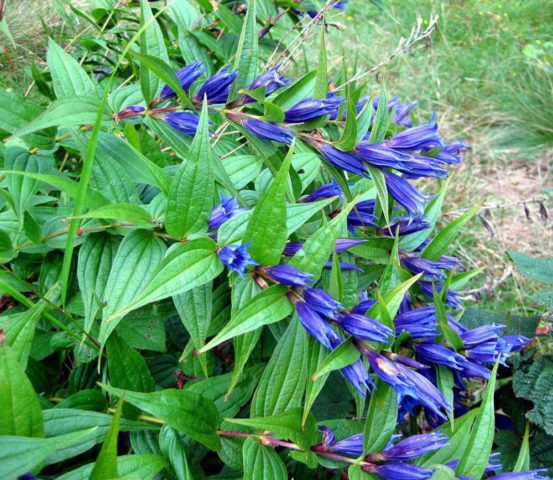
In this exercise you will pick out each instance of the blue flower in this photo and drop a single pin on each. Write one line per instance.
(287, 275)
(321, 302)
(271, 79)
(416, 138)
(419, 323)
(343, 160)
(416, 264)
(324, 191)
(309, 109)
(217, 87)
(227, 209)
(402, 471)
(434, 353)
(402, 113)
(362, 215)
(184, 122)
(358, 376)
(364, 328)
(406, 226)
(186, 76)
(529, 475)
(351, 446)
(268, 131)
(317, 326)
(451, 153)
(363, 307)
(405, 194)
(236, 258)
(411, 447)
(451, 298)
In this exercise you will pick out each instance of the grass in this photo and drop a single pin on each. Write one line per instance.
(471, 70)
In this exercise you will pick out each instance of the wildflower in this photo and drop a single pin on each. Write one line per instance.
(184, 122)
(317, 326)
(217, 87)
(341, 245)
(356, 374)
(419, 323)
(309, 109)
(345, 161)
(351, 446)
(129, 112)
(321, 302)
(365, 328)
(416, 138)
(434, 353)
(363, 307)
(271, 79)
(416, 264)
(324, 191)
(401, 471)
(406, 226)
(362, 215)
(451, 153)
(227, 209)
(402, 113)
(186, 76)
(287, 275)
(405, 194)
(529, 475)
(345, 267)
(236, 257)
(268, 131)
(451, 298)
(411, 447)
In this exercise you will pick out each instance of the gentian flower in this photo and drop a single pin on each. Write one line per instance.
(341, 245)
(321, 302)
(356, 374)
(411, 447)
(186, 76)
(419, 323)
(268, 131)
(317, 326)
(351, 446)
(325, 191)
(365, 328)
(451, 153)
(416, 138)
(451, 298)
(416, 264)
(402, 113)
(184, 122)
(343, 160)
(287, 275)
(434, 353)
(401, 471)
(363, 307)
(406, 226)
(236, 258)
(217, 87)
(362, 215)
(227, 209)
(271, 79)
(309, 109)
(529, 475)
(405, 194)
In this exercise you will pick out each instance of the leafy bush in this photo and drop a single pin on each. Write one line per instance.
(204, 263)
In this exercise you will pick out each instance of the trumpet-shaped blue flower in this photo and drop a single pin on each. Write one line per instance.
(411, 447)
(287, 275)
(321, 302)
(358, 376)
(406, 226)
(186, 76)
(362, 215)
(217, 87)
(419, 323)
(236, 258)
(416, 264)
(434, 353)
(416, 138)
(343, 160)
(227, 209)
(184, 122)
(405, 194)
(365, 328)
(402, 471)
(317, 326)
(268, 131)
(309, 109)
(271, 79)
(325, 191)
(451, 298)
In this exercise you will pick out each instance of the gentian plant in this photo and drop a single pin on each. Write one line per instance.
(215, 269)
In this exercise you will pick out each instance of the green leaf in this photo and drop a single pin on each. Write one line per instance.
(392, 300)
(380, 125)
(321, 80)
(22, 187)
(185, 411)
(286, 425)
(298, 213)
(153, 44)
(143, 466)
(185, 267)
(267, 307)
(261, 461)
(246, 52)
(300, 90)
(190, 197)
(124, 212)
(355, 473)
(441, 242)
(475, 458)
(445, 383)
(106, 463)
(381, 418)
(20, 412)
(68, 77)
(523, 460)
(283, 382)
(67, 112)
(342, 356)
(267, 226)
(539, 269)
(19, 455)
(172, 447)
(348, 139)
(381, 189)
(317, 353)
(95, 261)
(137, 257)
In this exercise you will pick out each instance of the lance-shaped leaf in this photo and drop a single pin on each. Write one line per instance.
(138, 256)
(185, 267)
(267, 307)
(283, 382)
(186, 411)
(267, 226)
(261, 461)
(381, 418)
(153, 44)
(342, 356)
(246, 52)
(392, 300)
(20, 412)
(190, 197)
(68, 77)
(173, 448)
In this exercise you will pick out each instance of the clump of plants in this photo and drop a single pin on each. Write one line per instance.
(213, 269)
